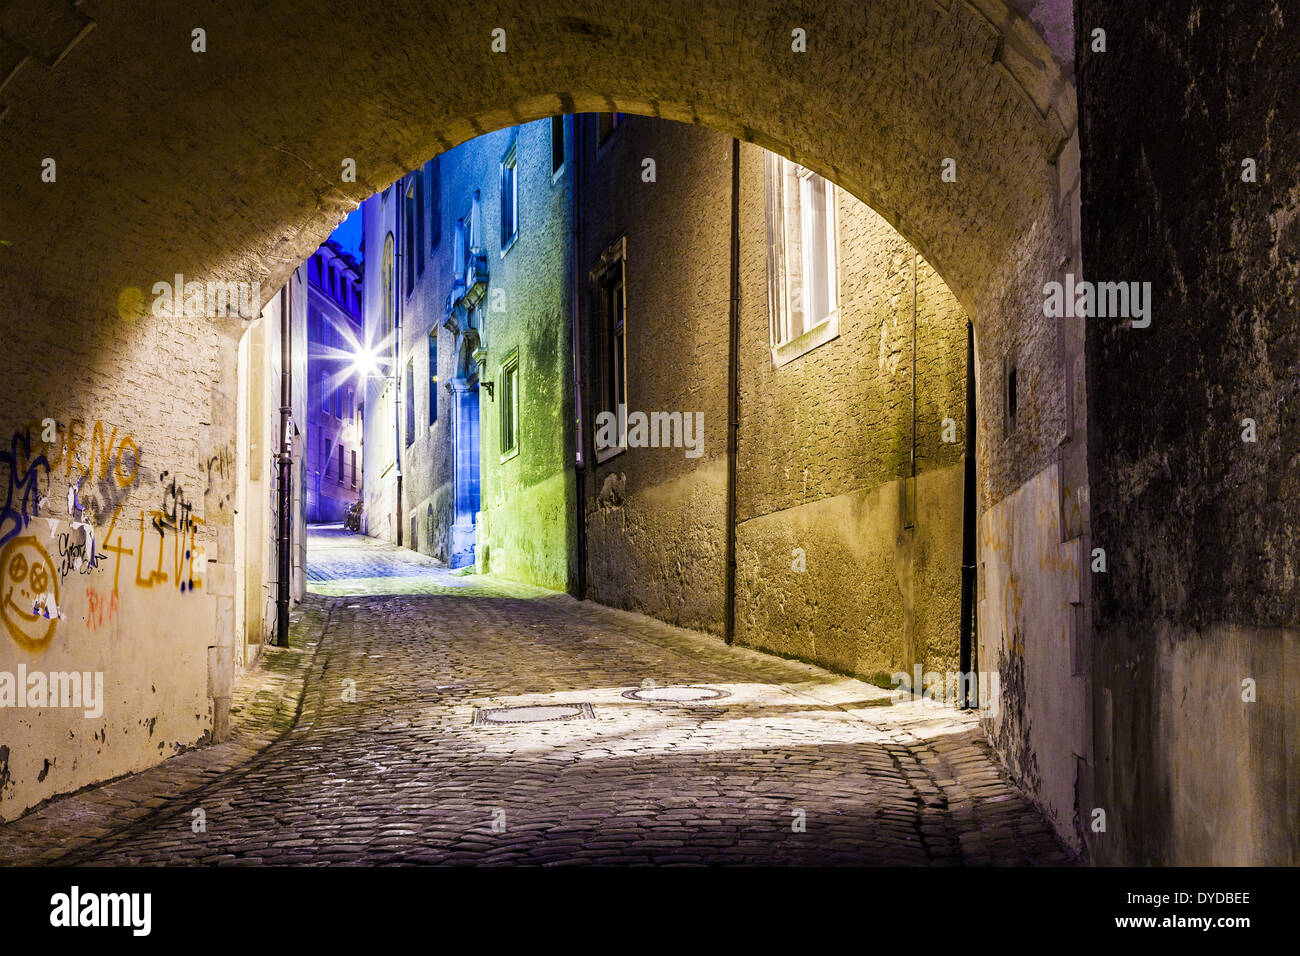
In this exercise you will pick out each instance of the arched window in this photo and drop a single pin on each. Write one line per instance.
(390, 288)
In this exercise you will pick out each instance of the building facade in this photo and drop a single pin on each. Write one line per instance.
(840, 507)
(468, 313)
(333, 428)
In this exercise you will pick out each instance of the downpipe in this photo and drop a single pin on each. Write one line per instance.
(285, 461)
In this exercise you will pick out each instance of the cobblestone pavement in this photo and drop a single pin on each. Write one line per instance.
(796, 765)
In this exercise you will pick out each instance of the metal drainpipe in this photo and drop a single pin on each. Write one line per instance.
(398, 285)
(580, 470)
(286, 471)
(966, 648)
(914, 257)
(733, 397)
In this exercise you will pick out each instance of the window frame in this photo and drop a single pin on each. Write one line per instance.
(410, 401)
(433, 378)
(616, 121)
(510, 162)
(435, 203)
(557, 125)
(785, 345)
(613, 263)
(510, 386)
(413, 232)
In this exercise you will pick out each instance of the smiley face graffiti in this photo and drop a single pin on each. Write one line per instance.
(29, 593)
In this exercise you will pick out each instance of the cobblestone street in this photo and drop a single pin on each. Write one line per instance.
(795, 765)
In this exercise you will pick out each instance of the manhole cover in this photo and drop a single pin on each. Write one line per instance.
(676, 693)
(532, 715)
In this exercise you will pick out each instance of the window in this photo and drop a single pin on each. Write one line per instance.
(410, 402)
(354, 468)
(557, 143)
(460, 246)
(390, 290)
(611, 303)
(350, 404)
(802, 253)
(509, 399)
(435, 203)
(338, 404)
(322, 384)
(413, 231)
(509, 198)
(340, 463)
(606, 123)
(433, 377)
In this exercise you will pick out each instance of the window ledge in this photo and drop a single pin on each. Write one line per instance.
(605, 454)
(512, 453)
(510, 245)
(821, 333)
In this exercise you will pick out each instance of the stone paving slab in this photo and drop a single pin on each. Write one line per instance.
(385, 764)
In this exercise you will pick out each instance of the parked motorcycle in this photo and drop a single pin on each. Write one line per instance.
(353, 520)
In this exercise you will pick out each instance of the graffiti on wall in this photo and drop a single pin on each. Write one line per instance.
(219, 468)
(78, 557)
(102, 609)
(102, 466)
(176, 511)
(23, 495)
(29, 593)
(167, 565)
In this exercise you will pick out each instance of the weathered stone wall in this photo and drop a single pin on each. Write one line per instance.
(1199, 526)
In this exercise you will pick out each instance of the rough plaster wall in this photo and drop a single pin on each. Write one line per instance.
(983, 85)
(525, 525)
(379, 489)
(1029, 584)
(1054, 21)
(825, 450)
(528, 498)
(661, 552)
(874, 599)
(655, 517)
(1199, 526)
(426, 462)
(156, 615)
(127, 429)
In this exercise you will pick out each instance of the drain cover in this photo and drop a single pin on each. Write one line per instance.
(534, 714)
(676, 693)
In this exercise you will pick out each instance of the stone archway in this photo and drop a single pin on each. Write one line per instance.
(231, 164)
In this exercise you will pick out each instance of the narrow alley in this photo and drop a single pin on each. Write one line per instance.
(395, 756)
